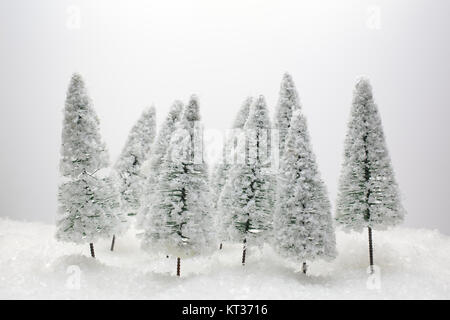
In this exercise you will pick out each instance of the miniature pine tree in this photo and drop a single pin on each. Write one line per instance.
(248, 196)
(242, 115)
(134, 154)
(159, 150)
(303, 226)
(288, 102)
(222, 169)
(181, 212)
(127, 170)
(368, 195)
(86, 201)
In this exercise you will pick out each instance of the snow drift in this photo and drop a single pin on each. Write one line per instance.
(413, 264)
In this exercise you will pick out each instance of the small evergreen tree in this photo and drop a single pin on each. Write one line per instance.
(368, 195)
(86, 201)
(127, 170)
(288, 102)
(159, 150)
(181, 213)
(222, 169)
(303, 227)
(248, 196)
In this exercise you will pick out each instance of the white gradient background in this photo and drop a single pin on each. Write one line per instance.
(137, 53)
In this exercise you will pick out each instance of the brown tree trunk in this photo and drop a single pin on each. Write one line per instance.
(304, 267)
(370, 250)
(91, 245)
(113, 242)
(244, 251)
(178, 266)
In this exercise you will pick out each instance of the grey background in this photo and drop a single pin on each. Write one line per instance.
(137, 53)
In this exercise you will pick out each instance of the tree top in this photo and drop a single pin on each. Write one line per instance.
(192, 111)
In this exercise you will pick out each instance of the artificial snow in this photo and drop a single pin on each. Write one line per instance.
(413, 263)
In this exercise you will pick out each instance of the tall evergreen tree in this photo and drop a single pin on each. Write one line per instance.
(222, 169)
(248, 196)
(181, 214)
(368, 195)
(159, 150)
(134, 154)
(242, 115)
(288, 102)
(86, 200)
(303, 227)
(127, 170)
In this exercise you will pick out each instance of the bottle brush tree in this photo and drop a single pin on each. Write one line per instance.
(303, 226)
(368, 195)
(248, 196)
(127, 170)
(288, 102)
(181, 221)
(87, 201)
(222, 169)
(159, 150)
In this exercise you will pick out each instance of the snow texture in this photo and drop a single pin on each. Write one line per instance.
(413, 264)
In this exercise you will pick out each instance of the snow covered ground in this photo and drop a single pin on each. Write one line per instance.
(413, 263)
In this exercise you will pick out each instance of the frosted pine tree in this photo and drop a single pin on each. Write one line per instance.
(181, 219)
(303, 226)
(127, 170)
(368, 195)
(288, 102)
(134, 154)
(242, 115)
(222, 169)
(159, 150)
(87, 201)
(248, 196)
